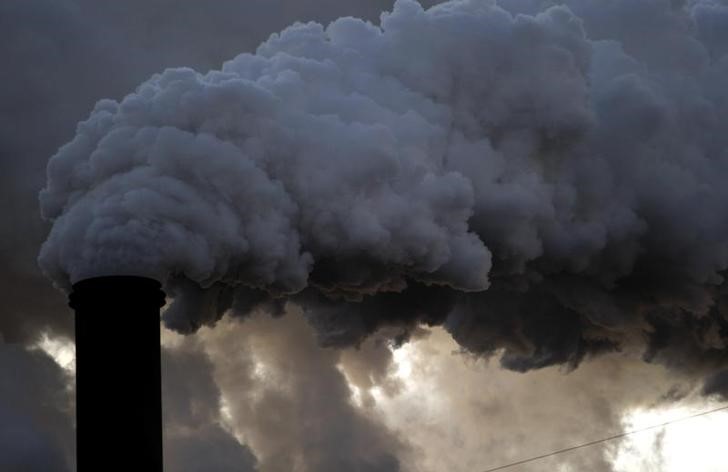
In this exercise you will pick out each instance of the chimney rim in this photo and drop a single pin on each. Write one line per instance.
(113, 287)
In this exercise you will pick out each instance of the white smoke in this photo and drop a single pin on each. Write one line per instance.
(453, 146)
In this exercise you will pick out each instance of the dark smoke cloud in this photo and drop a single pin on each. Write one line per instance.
(62, 56)
(717, 385)
(549, 185)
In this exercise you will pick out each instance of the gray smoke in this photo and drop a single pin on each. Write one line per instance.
(62, 56)
(547, 184)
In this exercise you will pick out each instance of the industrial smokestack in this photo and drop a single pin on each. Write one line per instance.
(118, 373)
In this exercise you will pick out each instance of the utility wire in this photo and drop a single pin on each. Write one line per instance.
(610, 438)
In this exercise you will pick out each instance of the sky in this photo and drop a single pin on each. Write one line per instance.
(558, 277)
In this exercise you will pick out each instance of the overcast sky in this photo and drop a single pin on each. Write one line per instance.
(607, 118)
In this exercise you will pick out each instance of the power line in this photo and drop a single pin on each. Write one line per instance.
(610, 438)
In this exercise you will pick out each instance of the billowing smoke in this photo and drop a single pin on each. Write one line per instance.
(547, 185)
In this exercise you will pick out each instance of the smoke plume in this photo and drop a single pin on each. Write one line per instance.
(544, 182)
(66, 54)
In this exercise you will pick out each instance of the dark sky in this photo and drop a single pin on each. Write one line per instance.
(259, 392)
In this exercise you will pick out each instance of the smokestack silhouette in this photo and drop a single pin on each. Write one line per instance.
(118, 373)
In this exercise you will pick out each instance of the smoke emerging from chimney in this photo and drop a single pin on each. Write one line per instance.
(549, 186)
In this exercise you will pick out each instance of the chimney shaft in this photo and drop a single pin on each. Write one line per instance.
(118, 374)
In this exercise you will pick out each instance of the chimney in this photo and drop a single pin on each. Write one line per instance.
(118, 374)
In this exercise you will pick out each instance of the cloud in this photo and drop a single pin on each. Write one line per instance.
(35, 405)
(463, 413)
(717, 385)
(195, 437)
(544, 177)
(285, 395)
